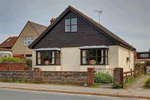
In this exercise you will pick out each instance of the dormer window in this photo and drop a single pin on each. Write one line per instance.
(71, 25)
(8, 40)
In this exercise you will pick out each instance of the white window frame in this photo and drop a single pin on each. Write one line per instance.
(26, 40)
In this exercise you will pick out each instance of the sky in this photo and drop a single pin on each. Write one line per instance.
(128, 19)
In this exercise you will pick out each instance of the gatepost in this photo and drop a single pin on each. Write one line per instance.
(118, 76)
(37, 75)
(90, 76)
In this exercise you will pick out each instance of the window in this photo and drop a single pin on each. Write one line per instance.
(71, 25)
(28, 41)
(144, 55)
(94, 56)
(48, 57)
(8, 40)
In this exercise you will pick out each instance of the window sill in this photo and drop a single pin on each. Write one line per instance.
(91, 64)
(47, 65)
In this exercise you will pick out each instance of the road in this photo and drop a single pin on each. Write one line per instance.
(12, 94)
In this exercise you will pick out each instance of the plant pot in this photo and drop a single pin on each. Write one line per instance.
(46, 62)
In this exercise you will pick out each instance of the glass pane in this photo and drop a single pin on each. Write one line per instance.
(26, 43)
(92, 52)
(29, 42)
(32, 39)
(45, 57)
(84, 53)
(29, 39)
(74, 21)
(25, 39)
(39, 61)
(57, 61)
(106, 61)
(74, 28)
(52, 61)
(39, 55)
(99, 52)
(67, 22)
(106, 52)
(84, 60)
(92, 60)
(67, 28)
(99, 60)
(58, 53)
(52, 54)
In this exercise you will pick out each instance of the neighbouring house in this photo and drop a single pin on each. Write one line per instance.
(141, 57)
(29, 33)
(6, 46)
(75, 42)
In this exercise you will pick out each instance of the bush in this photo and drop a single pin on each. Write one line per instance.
(29, 64)
(117, 86)
(147, 82)
(11, 59)
(103, 78)
(147, 62)
(137, 64)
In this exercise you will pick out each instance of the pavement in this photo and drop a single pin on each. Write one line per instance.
(130, 93)
(13, 94)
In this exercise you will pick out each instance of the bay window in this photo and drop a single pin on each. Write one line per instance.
(48, 57)
(94, 57)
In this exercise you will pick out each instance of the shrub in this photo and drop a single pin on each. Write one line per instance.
(147, 62)
(29, 64)
(11, 59)
(147, 82)
(137, 64)
(103, 78)
(117, 86)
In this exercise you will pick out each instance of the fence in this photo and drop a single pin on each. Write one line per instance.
(136, 73)
(110, 71)
(122, 77)
(38, 76)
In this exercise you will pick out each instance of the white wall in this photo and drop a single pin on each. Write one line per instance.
(123, 54)
(70, 60)
(113, 56)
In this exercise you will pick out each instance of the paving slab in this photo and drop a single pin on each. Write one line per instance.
(79, 90)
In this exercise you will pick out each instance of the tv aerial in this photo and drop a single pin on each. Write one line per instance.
(100, 12)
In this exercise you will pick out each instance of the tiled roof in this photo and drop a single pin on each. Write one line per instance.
(4, 49)
(102, 28)
(9, 42)
(39, 28)
(109, 33)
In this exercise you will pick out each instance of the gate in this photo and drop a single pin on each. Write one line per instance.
(109, 71)
(148, 69)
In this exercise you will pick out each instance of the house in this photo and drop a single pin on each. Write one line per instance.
(29, 33)
(75, 42)
(6, 46)
(141, 57)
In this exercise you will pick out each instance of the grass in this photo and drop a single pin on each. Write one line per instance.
(96, 85)
(144, 81)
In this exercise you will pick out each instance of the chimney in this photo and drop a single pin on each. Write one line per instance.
(52, 20)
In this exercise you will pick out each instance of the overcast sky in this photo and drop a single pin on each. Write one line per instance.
(129, 19)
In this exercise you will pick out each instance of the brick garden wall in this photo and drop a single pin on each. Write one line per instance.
(79, 78)
(12, 66)
(16, 75)
(38, 76)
